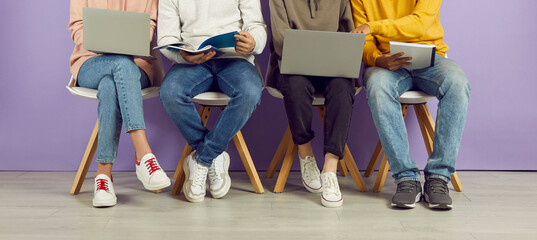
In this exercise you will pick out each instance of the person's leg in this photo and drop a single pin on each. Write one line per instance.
(240, 80)
(339, 99)
(122, 87)
(448, 83)
(298, 92)
(96, 73)
(180, 85)
(383, 90)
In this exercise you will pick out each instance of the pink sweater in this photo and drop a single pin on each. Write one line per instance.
(80, 55)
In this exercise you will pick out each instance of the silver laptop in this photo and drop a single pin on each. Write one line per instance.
(319, 53)
(119, 32)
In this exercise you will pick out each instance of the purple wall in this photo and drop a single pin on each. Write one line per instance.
(45, 128)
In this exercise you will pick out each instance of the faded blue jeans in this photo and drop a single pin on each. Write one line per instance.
(119, 82)
(448, 83)
(236, 78)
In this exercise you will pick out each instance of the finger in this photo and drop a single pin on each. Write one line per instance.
(402, 60)
(241, 38)
(397, 55)
(398, 66)
(242, 44)
(246, 34)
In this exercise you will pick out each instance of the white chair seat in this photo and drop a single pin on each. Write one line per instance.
(318, 98)
(91, 94)
(415, 97)
(211, 99)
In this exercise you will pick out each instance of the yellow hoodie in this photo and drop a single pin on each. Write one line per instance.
(411, 21)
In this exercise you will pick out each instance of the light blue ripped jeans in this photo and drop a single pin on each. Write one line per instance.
(119, 82)
(448, 83)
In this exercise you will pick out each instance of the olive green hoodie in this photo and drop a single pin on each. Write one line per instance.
(322, 15)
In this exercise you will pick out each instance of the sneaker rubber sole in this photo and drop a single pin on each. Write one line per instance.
(331, 204)
(109, 203)
(407, 205)
(153, 187)
(313, 190)
(441, 206)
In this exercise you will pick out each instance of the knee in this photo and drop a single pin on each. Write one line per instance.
(107, 90)
(378, 85)
(171, 92)
(251, 94)
(456, 84)
(296, 86)
(125, 65)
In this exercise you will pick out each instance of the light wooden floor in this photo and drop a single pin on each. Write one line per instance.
(37, 205)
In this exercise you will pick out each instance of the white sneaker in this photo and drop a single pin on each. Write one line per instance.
(331, 196)
(311, 176)
(219, 180)
(150, 174)
(104, 195)
(196, 178)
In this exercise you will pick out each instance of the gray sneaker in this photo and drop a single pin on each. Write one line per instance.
(407, 195)
(436, 193)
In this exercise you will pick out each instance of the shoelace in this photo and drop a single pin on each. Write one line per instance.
(152, 165)
(310, 169)
(102, 184)
(214, 176)
(331, 186)
(438, 186)
(200, 176)
(406, 186)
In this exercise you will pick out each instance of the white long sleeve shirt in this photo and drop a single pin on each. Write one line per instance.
(193, 21)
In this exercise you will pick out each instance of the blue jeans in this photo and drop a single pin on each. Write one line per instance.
(119, 82)
(448, 83)
(236, 78)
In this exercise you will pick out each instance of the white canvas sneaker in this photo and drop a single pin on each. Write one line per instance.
(195, 179)
(151, 174)
(219, 180)
(311, 176)
(104, 195)
(331, 196)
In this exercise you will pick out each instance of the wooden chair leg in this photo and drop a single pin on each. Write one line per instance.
(286, 167)
(381, 175)
(248, 163)
(342, 168)
(86, 160)
(374, 160)
(456, 182)
(341, 164)
(179, 175)
(427, 126)
(280, 153)
(353, 169)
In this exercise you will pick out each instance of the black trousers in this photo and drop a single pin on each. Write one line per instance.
(298, 92)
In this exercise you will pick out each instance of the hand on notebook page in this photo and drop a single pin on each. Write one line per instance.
(392, 62)
(244, 43)
(197, 58)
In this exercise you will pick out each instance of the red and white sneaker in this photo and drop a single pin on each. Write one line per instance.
(104, 195)
(151, 174)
